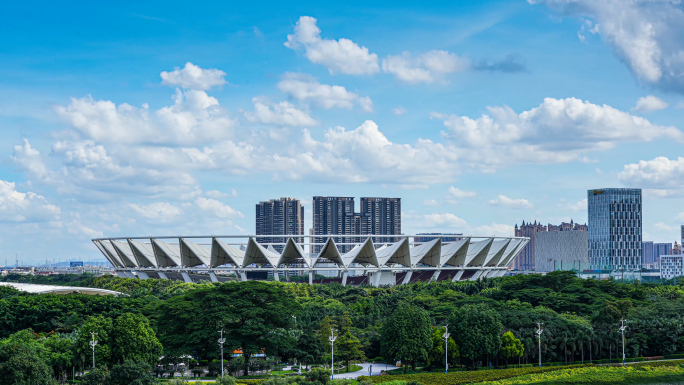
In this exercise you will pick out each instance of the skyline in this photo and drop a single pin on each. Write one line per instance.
(145, 119)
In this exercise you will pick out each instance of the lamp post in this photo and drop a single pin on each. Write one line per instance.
(446, 348)
(221, 341)
(332, 339)
(93, 343)
(540, 330)
(622, 330)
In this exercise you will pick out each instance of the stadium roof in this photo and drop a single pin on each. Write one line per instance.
(59, 290)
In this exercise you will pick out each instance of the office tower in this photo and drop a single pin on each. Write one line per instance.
(682, 240)
(381, 216)
(561, 250)
(279, 216)
(648, 255)
(336, 215)
(615, 228)
(333, 215)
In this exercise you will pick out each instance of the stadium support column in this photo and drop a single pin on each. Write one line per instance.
(121, 274)
(376, 278)
(276, 276)
(344, 278)
(407, 278)
(186, 277)
(458, 276)
(435, 276)
(162, 275)
(476, 275)
(311, 276)
(212, 277)
(243, 276)
(142, 275)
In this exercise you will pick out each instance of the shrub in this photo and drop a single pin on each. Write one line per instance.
(225, 380)
(319, 374)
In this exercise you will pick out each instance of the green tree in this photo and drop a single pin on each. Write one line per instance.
(318, 375)
(511, 347)
(60, 353)
(97, 376)
(23, 360)
(327, 324)
(477, 331)
(103, 353)
(132, 373)
(249, 312)
(436, 356)
(406, 335)
(348, 347)
(132, 339)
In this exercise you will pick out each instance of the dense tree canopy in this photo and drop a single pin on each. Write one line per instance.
(406, 335)
(581, 319)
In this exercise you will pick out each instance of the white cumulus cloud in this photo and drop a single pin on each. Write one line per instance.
(505, 201)
(456, 192)
(559, 130)
(283, 113)
(302, 87)
(426, 68)
(219, 209)
(193, 77)
(16, 206)
(159, 210)
(643, 33)
(658, 173)
(650, 103)
(340, 56)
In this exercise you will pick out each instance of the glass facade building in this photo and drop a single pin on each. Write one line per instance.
(615, 228)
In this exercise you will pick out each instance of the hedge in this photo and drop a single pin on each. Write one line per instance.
(466, 377)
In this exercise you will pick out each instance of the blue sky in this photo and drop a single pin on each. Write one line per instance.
(156, 118)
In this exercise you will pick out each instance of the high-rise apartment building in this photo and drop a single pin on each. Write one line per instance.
(527, 258)
(381, 216)
(615, 228)
(336, 215)
(279, 216)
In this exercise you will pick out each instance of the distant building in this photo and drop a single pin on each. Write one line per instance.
(561, 250)
(332, 215)
(662, 249)
(671, 266)
(615, 228)
(381, 216)
(648, 254)
(526, 260)
(336, 215)
(279, 216)
(427, 237)
(676, 249)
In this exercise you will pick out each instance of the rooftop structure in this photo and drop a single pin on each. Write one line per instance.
(470, 257)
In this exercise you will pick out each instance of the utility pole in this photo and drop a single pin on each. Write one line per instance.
(540, 330)
(221, 341)
(93, 343)
(446, 349)
(622, 330)
(332, 339)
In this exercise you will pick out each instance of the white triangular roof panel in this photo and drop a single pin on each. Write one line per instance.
(143, 253)
(168, 255)
(427, 253)
(223, 254)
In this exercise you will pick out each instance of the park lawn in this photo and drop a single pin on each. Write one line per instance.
(465, 377)
(352, 368)
(282, 371)
(606, 375)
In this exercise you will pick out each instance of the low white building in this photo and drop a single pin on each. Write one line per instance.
(671, 266)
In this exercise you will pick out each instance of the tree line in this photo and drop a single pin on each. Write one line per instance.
(490, 321)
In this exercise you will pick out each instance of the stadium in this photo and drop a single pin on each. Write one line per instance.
(347, 259)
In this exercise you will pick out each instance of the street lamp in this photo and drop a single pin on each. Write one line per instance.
(332, 339)
(622, 330)
(221, 341)
(295, 317)
(446, 348)
(93, 343)
(540, 330)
